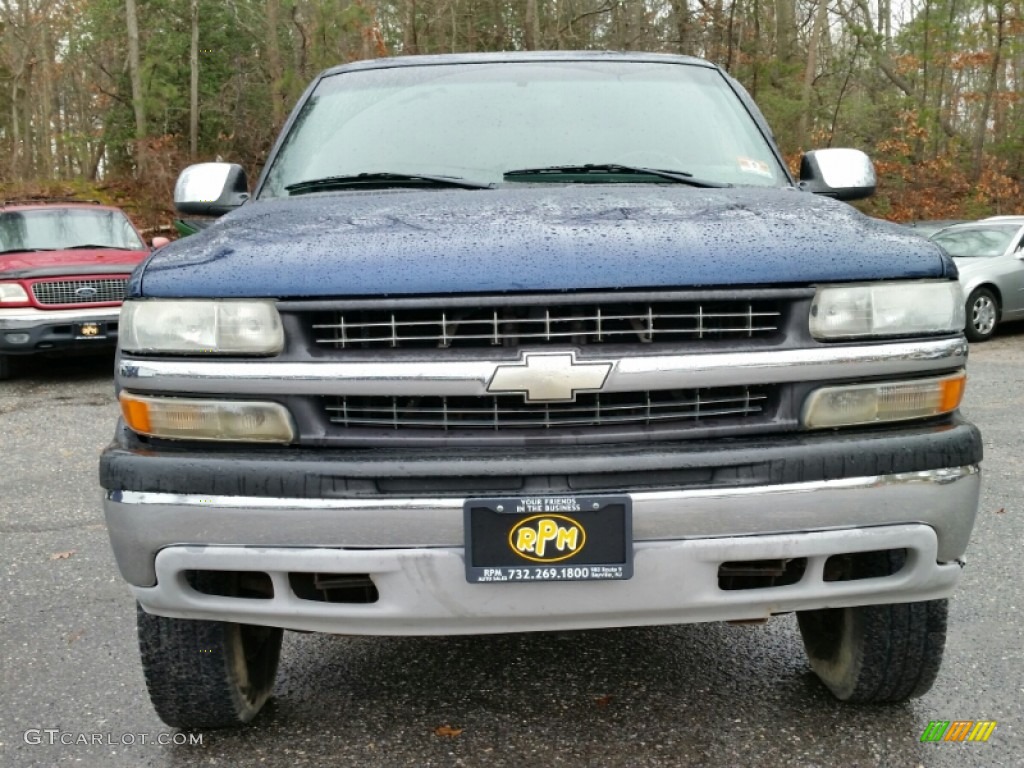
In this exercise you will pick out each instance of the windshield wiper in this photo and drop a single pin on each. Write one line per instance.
(384, 179)
(680, 177)
(95, 245)
(25, 250)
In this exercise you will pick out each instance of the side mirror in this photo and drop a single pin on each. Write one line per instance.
(845, 174)
(160, 242)
(211, 189)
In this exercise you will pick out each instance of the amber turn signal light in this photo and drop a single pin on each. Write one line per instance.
(223, 420)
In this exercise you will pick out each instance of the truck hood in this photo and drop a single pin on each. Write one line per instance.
(73, 262)
(538, 237)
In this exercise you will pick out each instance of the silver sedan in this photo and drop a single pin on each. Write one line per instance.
(990, 256)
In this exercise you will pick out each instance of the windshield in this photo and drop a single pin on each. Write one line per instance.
(478, 121)
(60, 228)
(978, 242)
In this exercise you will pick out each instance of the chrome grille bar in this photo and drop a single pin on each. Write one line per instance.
(512, 325)
(510, 412)
(470, 376)
(352, 411)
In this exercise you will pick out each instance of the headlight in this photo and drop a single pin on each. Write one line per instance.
(12, 293)
(200, 327)
(887, 309)
(846, 406)
(228, 420)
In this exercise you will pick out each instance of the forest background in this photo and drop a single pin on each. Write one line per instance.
(109, 99)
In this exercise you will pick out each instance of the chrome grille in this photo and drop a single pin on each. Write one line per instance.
(79, 291)
(577, 324)
(500, 412)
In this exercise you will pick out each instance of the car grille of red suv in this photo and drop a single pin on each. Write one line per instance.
(84, 291)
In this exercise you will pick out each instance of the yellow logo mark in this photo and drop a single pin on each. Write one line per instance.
(547, 538)
(90, 329)
(982, 730)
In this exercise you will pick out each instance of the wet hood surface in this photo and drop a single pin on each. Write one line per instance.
(533, 238)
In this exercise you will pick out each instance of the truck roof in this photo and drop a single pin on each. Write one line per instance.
(43, 203)
(516, 56)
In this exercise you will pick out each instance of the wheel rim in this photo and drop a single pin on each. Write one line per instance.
(983, 315)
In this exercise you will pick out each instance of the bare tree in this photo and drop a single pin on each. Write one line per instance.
(276, 69)
(135, 73)
(193, 122)
(532, 31)
(818, 30)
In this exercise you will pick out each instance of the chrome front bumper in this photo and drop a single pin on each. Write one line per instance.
(425, 592)
(27, 330)
(24, 318)
(412, 549)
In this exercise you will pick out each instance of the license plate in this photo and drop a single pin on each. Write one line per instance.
(549, 538)
(90, 330)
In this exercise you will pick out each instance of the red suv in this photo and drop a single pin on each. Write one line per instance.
(63, 271)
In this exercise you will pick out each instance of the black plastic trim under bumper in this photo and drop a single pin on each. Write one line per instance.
(132, 465)
(57, 335)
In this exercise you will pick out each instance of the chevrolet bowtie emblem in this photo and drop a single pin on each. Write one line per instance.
(550, 377)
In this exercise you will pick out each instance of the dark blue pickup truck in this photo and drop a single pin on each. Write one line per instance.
(525, 342)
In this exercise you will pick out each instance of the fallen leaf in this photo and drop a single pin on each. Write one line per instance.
(603, 701)
(78, 634)
(1001, 510)
(62, 555)
(447, 730)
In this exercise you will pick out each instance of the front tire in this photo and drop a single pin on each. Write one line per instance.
(982, 314)
(876, 654)
(5, 367)
(207, 674)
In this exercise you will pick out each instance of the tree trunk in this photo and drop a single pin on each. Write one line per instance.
(978, 149)
(532, 32)
(135, 73)
(193, 123)
(785, 30)
(94, 169)
(817, 30)
(276, 71)
(29, 136)
(681, 14)
(409, 45)
(15, 131)
(45, 101)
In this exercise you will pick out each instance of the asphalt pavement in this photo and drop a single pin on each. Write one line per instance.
(72, 691)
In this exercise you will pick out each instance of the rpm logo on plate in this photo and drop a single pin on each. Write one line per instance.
(547, 538)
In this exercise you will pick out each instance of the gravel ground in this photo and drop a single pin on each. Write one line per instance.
(704, 695)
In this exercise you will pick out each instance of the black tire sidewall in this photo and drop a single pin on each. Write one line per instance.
(876, 654)
(198, 673)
